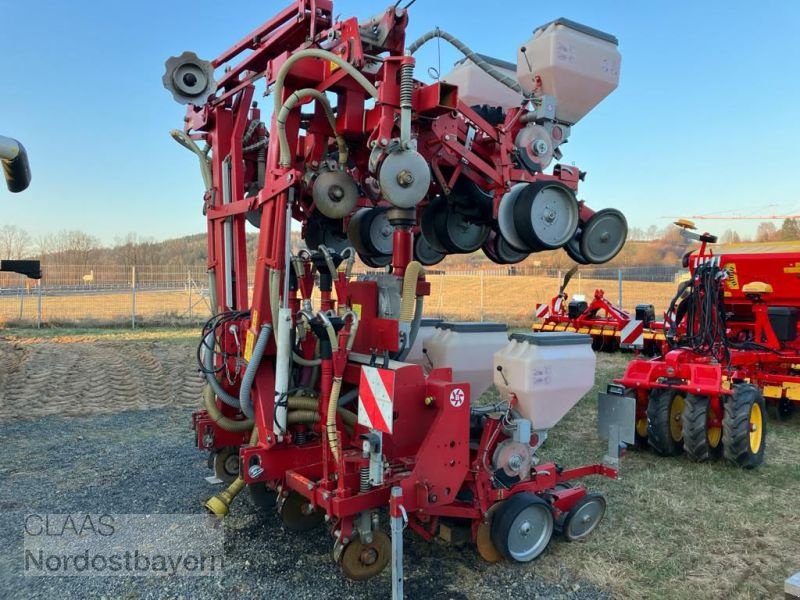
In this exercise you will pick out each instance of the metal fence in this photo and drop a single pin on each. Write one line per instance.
(154, 295)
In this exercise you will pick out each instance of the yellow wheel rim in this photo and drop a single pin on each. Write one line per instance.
(641, 427)
(675, 417)
(756, 428)
(714, 431)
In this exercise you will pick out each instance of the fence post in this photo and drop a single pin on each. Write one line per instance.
(482, 314)
(190, 284)
(133, 297)
(39, 304)
(619, 288)
(21, 298)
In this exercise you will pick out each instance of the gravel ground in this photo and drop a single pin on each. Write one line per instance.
(144, 461)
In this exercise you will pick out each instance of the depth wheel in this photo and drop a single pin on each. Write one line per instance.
(297, 513)
(360, 561)
(664, 426)
(226, 464)
(744, 427)
(702, 439)
(522, 527)
(584, 517)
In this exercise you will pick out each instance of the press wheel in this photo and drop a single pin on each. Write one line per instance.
(226, 464)
(360, 561)
(523, 527)
(584, 517)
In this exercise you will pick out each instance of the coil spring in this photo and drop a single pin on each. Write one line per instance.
(406, 84)
(364, 479)
(300, 437)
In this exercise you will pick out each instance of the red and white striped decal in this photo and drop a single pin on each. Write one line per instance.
(542, 311)
(375, 395)
(632, 334)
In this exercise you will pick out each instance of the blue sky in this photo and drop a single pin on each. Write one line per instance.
(705, 119)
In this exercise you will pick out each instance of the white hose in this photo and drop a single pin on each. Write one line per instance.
(187, 142)
(473, 56)
(283, 115)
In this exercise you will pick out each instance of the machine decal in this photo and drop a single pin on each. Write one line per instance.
(457, 397)
(632, 334)
(375, 396)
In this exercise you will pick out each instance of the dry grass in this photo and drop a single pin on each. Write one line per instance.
(459, 297)
(682, 530)
(673, 529)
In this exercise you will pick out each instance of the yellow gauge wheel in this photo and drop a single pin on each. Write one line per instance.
(714, 432)
(641, 427)
(676, 417)
(756, 428)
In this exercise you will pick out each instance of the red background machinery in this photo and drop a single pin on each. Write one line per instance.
(309, 403)
(733, 346)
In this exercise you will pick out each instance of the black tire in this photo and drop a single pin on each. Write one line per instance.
(744, 427)
(530, 228)
(519, 510)
(661, 421)
(584, 517)
(573, 248)
(700, 441)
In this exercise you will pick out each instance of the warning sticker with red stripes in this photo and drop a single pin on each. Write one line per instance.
(375, 396)
(632, 334)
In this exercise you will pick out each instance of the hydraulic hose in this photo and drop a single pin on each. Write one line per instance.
(473, 56)
(250, 371)
(211, 377)
(283, 115)
(187, 142)
(415, 324)
(216, 414)
(305, 362)
(413, 272)
(330, 426)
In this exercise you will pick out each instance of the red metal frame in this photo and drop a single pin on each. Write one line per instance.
(429, 454)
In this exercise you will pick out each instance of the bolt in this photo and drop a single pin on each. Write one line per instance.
(447, 138)
(384, 141)
(540, 147)
(255, 472)
(336, 193)
(515, 462)
(405, 178)
(428, 400)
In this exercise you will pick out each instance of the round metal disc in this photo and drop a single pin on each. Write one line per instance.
(297, 513)
(226, 464)
(424, 252)
(573, 248)
(604, 235)
(530, 532)
(189, 78)
(335, 194)
(523, 527)
(546, 215)
(360, 561)
(262, 496)
(379, 231)
(457, 233)
(534, 148)
(483, 539)
(427, 221)
(404, 178)
(505, 218)
(584, 517)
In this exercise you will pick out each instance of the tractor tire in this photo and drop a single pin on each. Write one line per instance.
(700, 440)
(664, 428)
(744, 427)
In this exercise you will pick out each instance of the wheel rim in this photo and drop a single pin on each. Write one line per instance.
(756, 428)
(530, 532)
(675, 417)
(554, 217)
(586, 517)
(714, 432)
(641, 427)
(362, 561)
